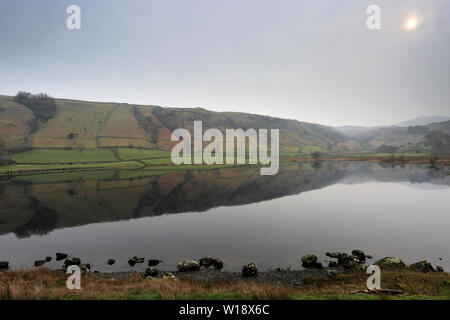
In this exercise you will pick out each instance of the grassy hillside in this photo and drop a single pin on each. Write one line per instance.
(389, 136)
(406, 139)
(15, 124)
(109, 128)
(86, 131)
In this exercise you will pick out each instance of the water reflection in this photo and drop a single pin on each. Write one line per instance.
(39, 204)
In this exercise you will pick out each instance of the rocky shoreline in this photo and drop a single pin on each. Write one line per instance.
(209, 269)
(278, 276)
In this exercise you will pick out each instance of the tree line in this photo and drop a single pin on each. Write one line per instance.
(438, 141)
(42, 105)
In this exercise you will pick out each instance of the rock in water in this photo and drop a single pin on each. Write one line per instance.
(140, 260)
(72, 261)
(39, 263)
(153, 262)
(217, 263)
(135, 260)
(48, 259)
(206, 262)
(151, 272)
(422, 266)
(61, 256)
(390, 262)
(250, 270)
(310, 261)
(4, 265)
(334, 255)
(359, 254)
(188, 265)
(111, 261)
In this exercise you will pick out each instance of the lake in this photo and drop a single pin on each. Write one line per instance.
(232, 213)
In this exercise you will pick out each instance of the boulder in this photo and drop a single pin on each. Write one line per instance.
(151, 272)
(85, 268)
(250, 270)
(217, 263)
(332, 273)
(135, 260)
(4, 265)
(70, 261)
(309, 261)
(39, 263)
(48, 259)
(332, 264)
(390, 262)
(169, 276)
(334, 255)
(439, 269)
(140, 260)
(188, 265)
(153, 262)
(111, 261)
(422, 266)
(347, 261)
(61, 256)
(359, 254)
(206, 262)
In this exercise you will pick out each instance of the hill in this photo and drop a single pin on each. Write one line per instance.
(90, 132)
(87, 126)
(422, 121)
(352, 131)
(411, 139)
(441, 126)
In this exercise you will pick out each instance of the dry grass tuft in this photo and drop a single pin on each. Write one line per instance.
(43, 283)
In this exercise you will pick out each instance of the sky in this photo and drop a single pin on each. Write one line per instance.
(310, 60)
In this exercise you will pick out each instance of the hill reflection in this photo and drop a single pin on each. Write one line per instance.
(36, 205)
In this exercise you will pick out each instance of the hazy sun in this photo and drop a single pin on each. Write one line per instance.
(411, 23)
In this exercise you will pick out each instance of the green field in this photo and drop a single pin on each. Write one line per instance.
(46, 161)
(43, 168)
(87, 155)
(133, 153)
(64, 156)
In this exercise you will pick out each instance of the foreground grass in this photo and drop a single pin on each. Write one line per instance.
(43, 283)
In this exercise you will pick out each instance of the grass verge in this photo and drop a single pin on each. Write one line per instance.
(43, 283)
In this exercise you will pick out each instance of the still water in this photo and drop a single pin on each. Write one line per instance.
(235, 214)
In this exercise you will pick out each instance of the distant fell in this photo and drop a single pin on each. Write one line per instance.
(422, 121)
